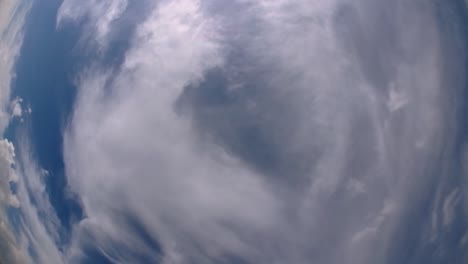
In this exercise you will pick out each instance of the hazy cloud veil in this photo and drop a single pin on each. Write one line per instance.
(262, 131)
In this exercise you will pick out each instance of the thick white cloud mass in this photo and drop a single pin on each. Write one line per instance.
(261, 131)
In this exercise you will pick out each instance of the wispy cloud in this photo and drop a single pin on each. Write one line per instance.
(97, 16)
(234, 130)
(12, 16)
(39, 224)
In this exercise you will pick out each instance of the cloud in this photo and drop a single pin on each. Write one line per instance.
(39, 224)
(234, 131)
(98, 16)
(16, 109)
(159, 66)
(449, 207)
(12, 15)
(13, 249)
(11, 252)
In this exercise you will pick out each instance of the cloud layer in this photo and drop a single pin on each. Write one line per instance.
(260, 132)
(12, 18)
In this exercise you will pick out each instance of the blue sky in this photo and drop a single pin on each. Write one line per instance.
(249, 131)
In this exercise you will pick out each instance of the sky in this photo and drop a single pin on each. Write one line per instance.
(245, 131)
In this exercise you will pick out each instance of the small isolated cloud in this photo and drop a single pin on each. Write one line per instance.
(16, 108)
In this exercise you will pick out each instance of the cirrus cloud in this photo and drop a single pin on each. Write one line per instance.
(261, 131)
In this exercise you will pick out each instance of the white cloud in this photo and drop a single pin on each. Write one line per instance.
(396, 99)
(12, 17)
(39, 224)
(180, 190)
(99, 14)
(11, 251)
(328, 74)
(16, 109)
(449, 207)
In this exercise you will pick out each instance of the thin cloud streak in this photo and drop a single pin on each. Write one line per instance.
(39, 223)
(13, 14)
